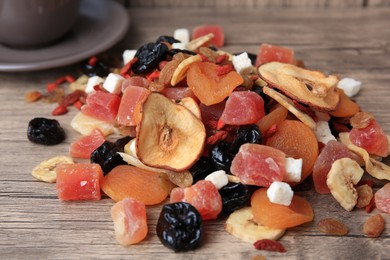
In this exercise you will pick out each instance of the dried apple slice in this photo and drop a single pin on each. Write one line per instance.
(169, 136)
(306, 86)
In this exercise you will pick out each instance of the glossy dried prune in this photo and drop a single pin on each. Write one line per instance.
(149, 56)
(221, 156)
(234, 196)
(246, 134)
(203, 167)
(180, 226)
(98, 69)
(168, 39)
(45, 131)
(106, 155)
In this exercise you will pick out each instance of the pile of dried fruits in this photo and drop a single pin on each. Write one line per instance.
(217, 133)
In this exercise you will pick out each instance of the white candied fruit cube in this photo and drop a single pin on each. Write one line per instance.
(179, 45)
(218, 178)
(182, 35)
(241, 62)
(113, 83)
(350, 86)
(280, 193)
(93, 81)
(128, 55)
(323, 133)
(293, 170)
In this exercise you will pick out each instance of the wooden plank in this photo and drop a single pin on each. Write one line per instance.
(34, 224)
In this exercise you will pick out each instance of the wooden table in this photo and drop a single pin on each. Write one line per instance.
(34, 224)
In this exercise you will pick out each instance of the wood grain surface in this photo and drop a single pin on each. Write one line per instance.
(34, 224)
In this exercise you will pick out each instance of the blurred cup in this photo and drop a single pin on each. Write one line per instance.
(34, 23)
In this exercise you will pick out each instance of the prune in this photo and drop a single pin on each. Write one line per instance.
(246, 134)
(98, 69)
(180, 226)
(45, 131)
(234, 196)
(251, 56)
(149, 56)
(203, 167)
(168, 39)
(106, 155)
(221, 156)
(172, 52)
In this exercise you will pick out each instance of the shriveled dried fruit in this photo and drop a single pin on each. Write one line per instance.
(332, 226)
(374, 226)
(32, 96)
(46, 170)
(309, 87)
(343, 174)
(365, 195)
(45, 131)
(242, 225)
(269, 245)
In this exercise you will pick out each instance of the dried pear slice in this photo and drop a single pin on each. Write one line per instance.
(180, 72)
(306, 86)
(289, 105)
(190, 104)
(242, 225)
(343, 175)
(199, 42)
(169, 136)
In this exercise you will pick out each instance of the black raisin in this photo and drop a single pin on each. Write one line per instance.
(203, 167)
(106, 155)
(246, 134)
(234, 196)
(99, 69)
(180, 226)
(45, 131)
(172, 52)
(221, 156)
(149, 56)
(168, 39)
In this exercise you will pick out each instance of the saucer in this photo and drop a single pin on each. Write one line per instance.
(100, 25)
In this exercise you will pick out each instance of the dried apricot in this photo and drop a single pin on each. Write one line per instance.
(129, 181)
(278, 216)
(276, 116)
(346, 107)
(296, 140)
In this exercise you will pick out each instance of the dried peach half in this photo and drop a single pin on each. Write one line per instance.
(306, 86)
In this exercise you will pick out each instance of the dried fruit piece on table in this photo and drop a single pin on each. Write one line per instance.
(129, 181)
(203, 79)
(45, 131)
(278, 216)
(46, 170)
(312, 88)
(242, 108)
(242, 225)
(365, 195)
(374, 226)
(129, 216)
(332, 151)
(367, 134)
(269, 245)
(343, 174)
(169, 136)
(84, 146)
(332, 226)
(79, 181)
(203, 195)
(179, 226)
(259, 165)
(382, 198)
(296, 140)
(269, 52)
(85, 124)
(129, 112)
(216, 30)
(102, 105)
(346, 107)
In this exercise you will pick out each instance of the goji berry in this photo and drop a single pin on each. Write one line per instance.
(220, 58)
(220, 124)
(219, 135)
(127, 68)
(370, 206)
(70, 98)
(78, 104)
(60, 80)
(269, 245)
(223, 70)
(70, 78)
(51, 86)
(59, 110)
(92, 61)
(152, 76)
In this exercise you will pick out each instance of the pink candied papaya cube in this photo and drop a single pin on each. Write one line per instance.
(102, 105)
(84, 146)
(269, 53)
(129, 113)
(79, 181)
(202, 30)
